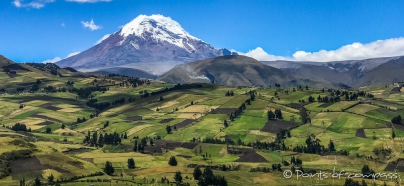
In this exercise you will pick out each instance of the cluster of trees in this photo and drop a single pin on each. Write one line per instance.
(20, 127)
(277, 115)
(230, 93)
(37, 181)
(70, 83)
(277, 144)
(49, 67)
(327, 99)
(86, 93)
(397, 120)
(35, 86)
(207, 177)
(139, 147)
(79, 120)
(104, 105)
(313, 146)
(295, 161)
(217, 141)
(101, 140)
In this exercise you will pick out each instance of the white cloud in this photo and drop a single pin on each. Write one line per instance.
(102, 39)
(32, 4)
(54, 60)
(379, 48)
(355, 51)
(88, 1)
(260, 55)
(91, 25)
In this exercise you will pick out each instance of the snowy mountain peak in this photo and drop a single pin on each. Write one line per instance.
(160, 28)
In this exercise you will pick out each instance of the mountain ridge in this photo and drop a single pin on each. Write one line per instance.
(236, 70)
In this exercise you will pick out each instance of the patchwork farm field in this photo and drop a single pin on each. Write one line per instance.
(99, 123)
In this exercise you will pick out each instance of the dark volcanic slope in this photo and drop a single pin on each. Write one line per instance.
(127, 72)
(387, 73)
(354, 73)
(236, 70)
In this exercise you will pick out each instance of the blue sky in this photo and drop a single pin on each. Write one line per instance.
(37, 30)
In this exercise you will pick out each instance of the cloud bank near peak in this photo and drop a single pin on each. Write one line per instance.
(57, 58)
(355, 51)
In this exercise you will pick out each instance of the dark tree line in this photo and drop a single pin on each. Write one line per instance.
(101, 140)
(313, 146)
(85, 93)
(19, 127)
(229, 93)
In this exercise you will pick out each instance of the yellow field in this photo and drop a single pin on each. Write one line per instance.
(31, 123)
(137, 129)
(70, 110)
(189, 116)
(363, 108)
(198, 108)
(35, 103)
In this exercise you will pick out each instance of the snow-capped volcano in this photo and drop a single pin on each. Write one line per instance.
(161, 29)
(152, 43)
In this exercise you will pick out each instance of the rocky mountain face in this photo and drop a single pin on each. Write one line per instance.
(237, 71)
(151, 43)
(354, 73)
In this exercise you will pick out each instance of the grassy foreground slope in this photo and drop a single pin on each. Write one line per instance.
(188, 122)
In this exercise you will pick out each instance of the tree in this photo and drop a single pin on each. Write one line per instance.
(48, 130)
(131, 163)
(22, 182)
(331, 146)
(178, 177)
(172, 161)
(270, 115)
(197, 173)
(225, 123)
(37, 182)
(51, 178)
(278, 114)
(393, 134)
(304, 115)
(135, 146)
(168, 129)
(109, 169)
(63, 126)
